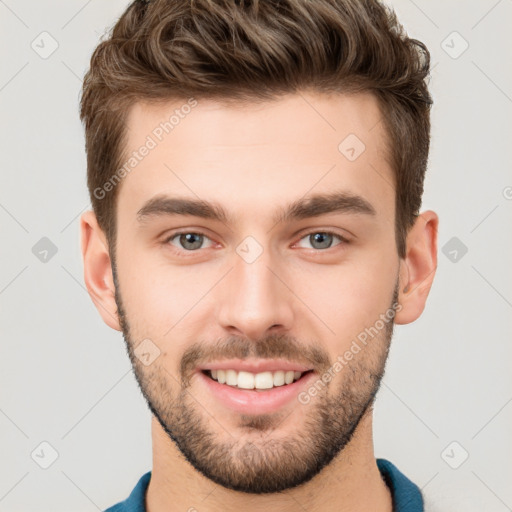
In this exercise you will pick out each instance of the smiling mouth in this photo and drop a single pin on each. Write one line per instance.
(258, 381)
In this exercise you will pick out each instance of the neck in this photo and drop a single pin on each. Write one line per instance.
(352, 482)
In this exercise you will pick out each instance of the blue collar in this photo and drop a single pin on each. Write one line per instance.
(406, 495)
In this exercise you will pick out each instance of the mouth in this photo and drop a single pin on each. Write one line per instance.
(258, 387)
(256, 381)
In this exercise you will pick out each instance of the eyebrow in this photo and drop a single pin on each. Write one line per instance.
(312, 206)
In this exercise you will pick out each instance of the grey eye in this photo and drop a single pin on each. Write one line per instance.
(321, 240)
(191, 241)
(188, 241)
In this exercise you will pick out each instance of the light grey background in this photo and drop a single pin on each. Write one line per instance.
(64, 376)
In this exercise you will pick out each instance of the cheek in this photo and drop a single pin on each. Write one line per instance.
(166, 304)
(347, 297)
(158, 291)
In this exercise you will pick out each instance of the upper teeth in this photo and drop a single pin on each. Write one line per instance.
(247, 380)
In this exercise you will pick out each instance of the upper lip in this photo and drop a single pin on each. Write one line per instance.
(254, 366)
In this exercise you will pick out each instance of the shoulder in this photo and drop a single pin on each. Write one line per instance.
(406, 494)
(136, 501)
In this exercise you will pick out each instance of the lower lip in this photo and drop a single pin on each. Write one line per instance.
(252, 401)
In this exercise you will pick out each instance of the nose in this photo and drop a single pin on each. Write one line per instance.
(255, 299)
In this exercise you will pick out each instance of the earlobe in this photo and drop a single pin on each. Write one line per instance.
(97, 269)
(418, 268)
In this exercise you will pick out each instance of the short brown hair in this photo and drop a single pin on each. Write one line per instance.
(249, 50)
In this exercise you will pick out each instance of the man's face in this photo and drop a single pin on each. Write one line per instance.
(258, 296)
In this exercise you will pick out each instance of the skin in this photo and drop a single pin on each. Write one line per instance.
(253, 159)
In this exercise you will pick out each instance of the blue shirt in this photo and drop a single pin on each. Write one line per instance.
(406, 495)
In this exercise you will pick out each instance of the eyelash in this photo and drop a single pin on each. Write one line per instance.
(342, 239)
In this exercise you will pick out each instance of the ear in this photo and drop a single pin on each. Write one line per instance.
(418, 268)
(97, 269)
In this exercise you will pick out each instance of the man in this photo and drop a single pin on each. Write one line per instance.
(256, 172)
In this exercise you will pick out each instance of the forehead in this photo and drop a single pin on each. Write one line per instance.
(246, 153)
(293, 118)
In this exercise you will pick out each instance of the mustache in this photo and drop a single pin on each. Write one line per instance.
(278, 346)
